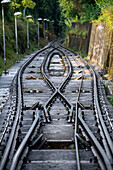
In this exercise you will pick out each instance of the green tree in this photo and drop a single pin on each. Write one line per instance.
(22, 4)
(28, 4)
(90, 12)
(81, 9)
(106, 14)
(47, 9)
(16, 4)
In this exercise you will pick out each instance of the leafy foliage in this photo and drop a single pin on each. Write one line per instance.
(111, 100)
(68, 8)
(81, 9)
(79, 32)
(21, 4)
(15, 4)
(90, 12)
(104, 4)
(47, 9)
(106, 16)
(69, 11)
(28, 4)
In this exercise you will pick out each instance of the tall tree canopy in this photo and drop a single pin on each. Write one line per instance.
(46, 9)
(20, 4)
(79, 9)
(60, 10)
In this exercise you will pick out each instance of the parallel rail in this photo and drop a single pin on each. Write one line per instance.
(57, 48)
(98, 110)
(18, 112)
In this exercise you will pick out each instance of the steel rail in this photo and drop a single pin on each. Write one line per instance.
(48, 63)
(10, 113)
(104, 101)
(69, 75)
(44, 75)
(48, 118)
(97, 105)
(64, 84)
(76, 139)
(57, 91)
(24, 142)
(76, 122)
(13, 131)
(51, 85)
(96, 143)
(76, 126)
(9, 143)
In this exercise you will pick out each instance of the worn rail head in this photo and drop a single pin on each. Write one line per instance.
(19, 107)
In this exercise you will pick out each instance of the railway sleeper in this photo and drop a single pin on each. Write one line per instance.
(57, 158)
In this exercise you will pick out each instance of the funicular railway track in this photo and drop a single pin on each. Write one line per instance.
(58, 121)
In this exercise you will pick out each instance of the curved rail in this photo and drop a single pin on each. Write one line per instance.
(96, 143)
(57, 91)
(76, 127)
(19, 106)
(78, 115)
(97, 107)
(10, 113)
(24, 142)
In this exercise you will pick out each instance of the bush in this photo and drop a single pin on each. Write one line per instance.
(22, 40)
(79, 32)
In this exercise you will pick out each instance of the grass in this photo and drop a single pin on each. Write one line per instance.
(38, 71)
(74, 108)
(106, 88)
(1, 66)
(22, 44)
(86, 57)
(10, 60)
(79, 32)
(107, 91)
(67, 109)
(41, 77)
(111, 100)
(106, 75)
(82, 52)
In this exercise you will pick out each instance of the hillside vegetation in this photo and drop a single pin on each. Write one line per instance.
(63, 12)
(27, 8)
(22, 41)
